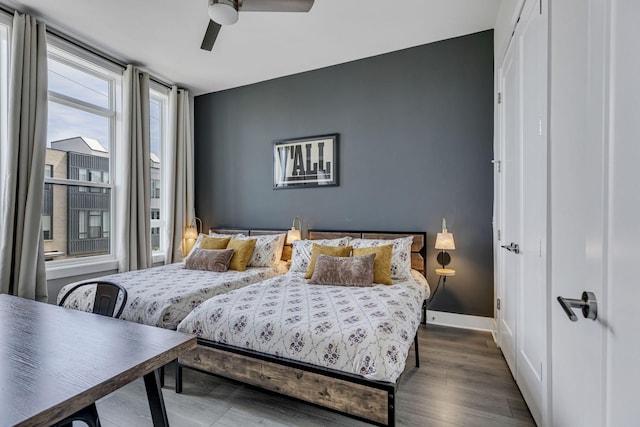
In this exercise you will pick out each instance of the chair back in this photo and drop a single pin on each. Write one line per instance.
(105, 299)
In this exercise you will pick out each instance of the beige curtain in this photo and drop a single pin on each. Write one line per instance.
(22, 159)
(179, 176)
(133, 180)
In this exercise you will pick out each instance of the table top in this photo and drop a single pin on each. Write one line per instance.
(55, 361)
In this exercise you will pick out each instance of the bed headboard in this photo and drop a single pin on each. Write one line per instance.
(418, 248)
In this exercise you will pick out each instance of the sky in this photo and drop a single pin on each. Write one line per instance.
(67, 122)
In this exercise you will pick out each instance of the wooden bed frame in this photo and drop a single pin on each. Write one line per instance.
(350, 394)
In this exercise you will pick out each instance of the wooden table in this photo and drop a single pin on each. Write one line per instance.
(56, 361)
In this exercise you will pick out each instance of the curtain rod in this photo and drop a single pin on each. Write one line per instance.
(61, 35)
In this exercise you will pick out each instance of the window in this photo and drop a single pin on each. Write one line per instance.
(82, 225)
(95, 224)
(155, 185)
(155, 238)
(46, 227)
(158, 112)
(47, 205)
(106, 224)
(83, 105)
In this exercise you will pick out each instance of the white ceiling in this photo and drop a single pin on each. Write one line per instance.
(164, 36)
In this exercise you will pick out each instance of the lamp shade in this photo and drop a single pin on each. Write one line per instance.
(190, 233)
(292, 235)
(445, 241)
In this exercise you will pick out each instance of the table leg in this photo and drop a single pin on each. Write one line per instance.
(156, 402)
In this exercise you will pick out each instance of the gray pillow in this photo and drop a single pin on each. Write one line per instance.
(209, 259)
(343, 271)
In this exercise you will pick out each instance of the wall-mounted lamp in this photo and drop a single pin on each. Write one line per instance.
(194, 228)
(444, 242)
(191, 234)
(294, 234)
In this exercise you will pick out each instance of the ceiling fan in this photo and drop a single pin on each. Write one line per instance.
(225, 12)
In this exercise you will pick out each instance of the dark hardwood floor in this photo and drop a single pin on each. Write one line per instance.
(463, 380)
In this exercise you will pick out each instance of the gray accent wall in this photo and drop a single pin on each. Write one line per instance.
(415, 145)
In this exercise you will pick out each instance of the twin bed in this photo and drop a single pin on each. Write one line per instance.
(340, 347)
(163, 296)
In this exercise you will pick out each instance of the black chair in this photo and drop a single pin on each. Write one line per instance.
(104, 304)
(106, 297)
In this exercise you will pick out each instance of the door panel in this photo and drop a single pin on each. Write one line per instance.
(510, 211)
(523, 282)
(532, 323)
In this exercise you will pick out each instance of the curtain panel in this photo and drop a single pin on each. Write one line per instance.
(133, 179)
(179, 177)
(22, 159)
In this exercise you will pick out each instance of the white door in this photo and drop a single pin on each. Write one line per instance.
(595, 210)
(623, 287)
(510, 221)
(522, 272)
(531, 356)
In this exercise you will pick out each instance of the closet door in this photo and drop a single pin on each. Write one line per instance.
(510, 209)
(532, 308)
(522, 258)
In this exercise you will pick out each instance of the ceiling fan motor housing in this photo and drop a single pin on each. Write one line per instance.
(224, 12)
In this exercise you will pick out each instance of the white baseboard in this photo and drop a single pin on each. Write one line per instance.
(464, 321)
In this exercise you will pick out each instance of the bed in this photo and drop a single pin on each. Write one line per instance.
(340, 347)
(163, 296)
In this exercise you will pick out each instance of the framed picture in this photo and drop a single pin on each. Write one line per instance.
(305, 162)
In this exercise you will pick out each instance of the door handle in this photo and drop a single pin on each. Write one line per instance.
(512, 247)
(588, 304)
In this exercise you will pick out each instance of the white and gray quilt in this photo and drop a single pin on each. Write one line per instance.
(362, 330)
(163, 296)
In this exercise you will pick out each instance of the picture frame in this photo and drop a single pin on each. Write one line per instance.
(305, 162)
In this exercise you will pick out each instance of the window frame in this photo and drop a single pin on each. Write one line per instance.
(6, 24)
(90, 63)
(161, 94)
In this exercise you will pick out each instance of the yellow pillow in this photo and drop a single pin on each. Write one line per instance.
(242, 253)
(382, 263)
(325, 250)
(214, 242)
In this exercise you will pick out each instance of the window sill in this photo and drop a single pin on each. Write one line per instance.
(61, 271)
(158, 257)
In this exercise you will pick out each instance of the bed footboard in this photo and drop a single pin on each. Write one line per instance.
(373, 401)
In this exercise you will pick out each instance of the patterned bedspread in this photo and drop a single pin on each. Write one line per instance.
(363, 330)
(163, 296)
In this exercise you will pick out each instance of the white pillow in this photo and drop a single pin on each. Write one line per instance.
(301, 252)
(268, 249)
(400, 254)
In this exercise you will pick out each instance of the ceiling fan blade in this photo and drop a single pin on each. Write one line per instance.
(210, 36)
(275, 5)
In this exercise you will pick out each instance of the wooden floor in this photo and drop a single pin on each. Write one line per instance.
(463, 381)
